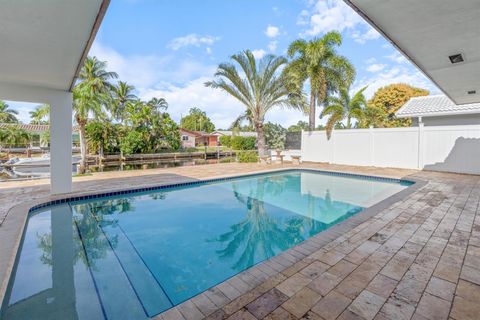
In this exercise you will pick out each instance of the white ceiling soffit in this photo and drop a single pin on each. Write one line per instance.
(43, 43)
(427, 32)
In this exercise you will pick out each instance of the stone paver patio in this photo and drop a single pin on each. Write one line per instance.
(417, 258)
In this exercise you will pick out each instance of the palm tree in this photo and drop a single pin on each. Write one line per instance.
(38, 115)
(260, 89)
(318, 63)
(90, 96)
(158, 104)
(7, 115)
(13, 136)
(344, 107)
(122, 94)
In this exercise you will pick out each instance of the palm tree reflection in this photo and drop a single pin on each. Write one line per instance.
(259, 235)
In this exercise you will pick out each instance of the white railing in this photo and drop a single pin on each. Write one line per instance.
(442, 148)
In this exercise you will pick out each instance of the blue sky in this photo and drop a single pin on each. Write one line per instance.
(170, 48)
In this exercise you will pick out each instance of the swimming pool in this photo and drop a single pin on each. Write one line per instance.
(135, 255)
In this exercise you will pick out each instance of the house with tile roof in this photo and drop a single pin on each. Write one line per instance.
(36, 130)
(439, 110)
(192, 139)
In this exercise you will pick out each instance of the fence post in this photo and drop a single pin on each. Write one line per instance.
(372, 145)
(421, 143)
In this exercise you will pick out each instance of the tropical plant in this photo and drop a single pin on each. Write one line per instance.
(387, 100)
(12, 136)
(7, 115)
(247, 156)
(242, 143)
(275, 136)
(344, 108)
(317, 62)
(40, 115)
(197, 120)
(260, 89)
(158, 104)
(122, 94)
(90, 96)
(301, 125)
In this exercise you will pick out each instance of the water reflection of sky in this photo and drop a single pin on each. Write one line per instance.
(161, 248)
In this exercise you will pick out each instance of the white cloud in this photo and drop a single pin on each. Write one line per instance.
(144, 71)
(376, 67)
(397, 57)
(327, 15)
(272, 46)
(371, 60)
(396, 74)
(272, 31)
(259, 53)
(192, 40)
(362, 38)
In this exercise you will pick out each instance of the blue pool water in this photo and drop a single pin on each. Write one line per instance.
(133, 256)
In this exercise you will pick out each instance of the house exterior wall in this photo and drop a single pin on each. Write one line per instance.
(437, 148)
(452, 120)
(188, 141)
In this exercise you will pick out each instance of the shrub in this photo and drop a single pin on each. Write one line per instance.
(226, 160)
(226, 141)
(243, 143)
(247, 156)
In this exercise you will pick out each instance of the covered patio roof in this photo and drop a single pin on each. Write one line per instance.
(428, 32)
(43, 45)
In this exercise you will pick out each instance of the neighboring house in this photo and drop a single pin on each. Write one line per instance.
(192, 139)
(37, 130)
(232, 133)
(439, 110)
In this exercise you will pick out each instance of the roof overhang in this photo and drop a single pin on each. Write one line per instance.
(427, 32)
(44, 43)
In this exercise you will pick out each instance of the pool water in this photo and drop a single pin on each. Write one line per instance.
(134, 256)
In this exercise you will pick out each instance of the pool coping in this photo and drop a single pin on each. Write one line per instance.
(13, 227)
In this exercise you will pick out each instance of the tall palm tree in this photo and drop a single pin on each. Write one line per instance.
(90, 96)
(7, 115)
(122, 94)
(344, 107)
(260, 89)
(39, 114)
(317, 64)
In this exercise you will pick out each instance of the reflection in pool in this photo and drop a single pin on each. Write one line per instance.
(134, 256)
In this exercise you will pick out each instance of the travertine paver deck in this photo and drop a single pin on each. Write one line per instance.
(418, 258)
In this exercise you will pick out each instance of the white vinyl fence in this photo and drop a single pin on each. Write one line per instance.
(445, 148)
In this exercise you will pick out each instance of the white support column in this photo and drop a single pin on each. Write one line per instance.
(421, 143)
(61, 143)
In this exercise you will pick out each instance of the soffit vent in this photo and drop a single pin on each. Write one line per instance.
(456, 58)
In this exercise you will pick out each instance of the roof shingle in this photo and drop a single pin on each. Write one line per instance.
(436, 105)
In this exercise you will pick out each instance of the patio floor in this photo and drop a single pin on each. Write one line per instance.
(418, 258)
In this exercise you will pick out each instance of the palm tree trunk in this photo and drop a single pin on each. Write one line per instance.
(349, 123)
(83, 147)
(311, 112)
(261, 143)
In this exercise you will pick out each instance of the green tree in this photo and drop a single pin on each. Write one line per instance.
(12, 136)
(344, 108)
(157, 129)
(317, 64)
(7, 115)
(197, 120)
(275, 136)
(158, 104)
(259, 88)
(90, 96)
(386, 101)
(301, 125)
(122, 94)
(40, 115)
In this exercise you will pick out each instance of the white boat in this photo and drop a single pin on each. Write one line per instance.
(44, 160)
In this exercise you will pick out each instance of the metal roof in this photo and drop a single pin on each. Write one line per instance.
(436, 105)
